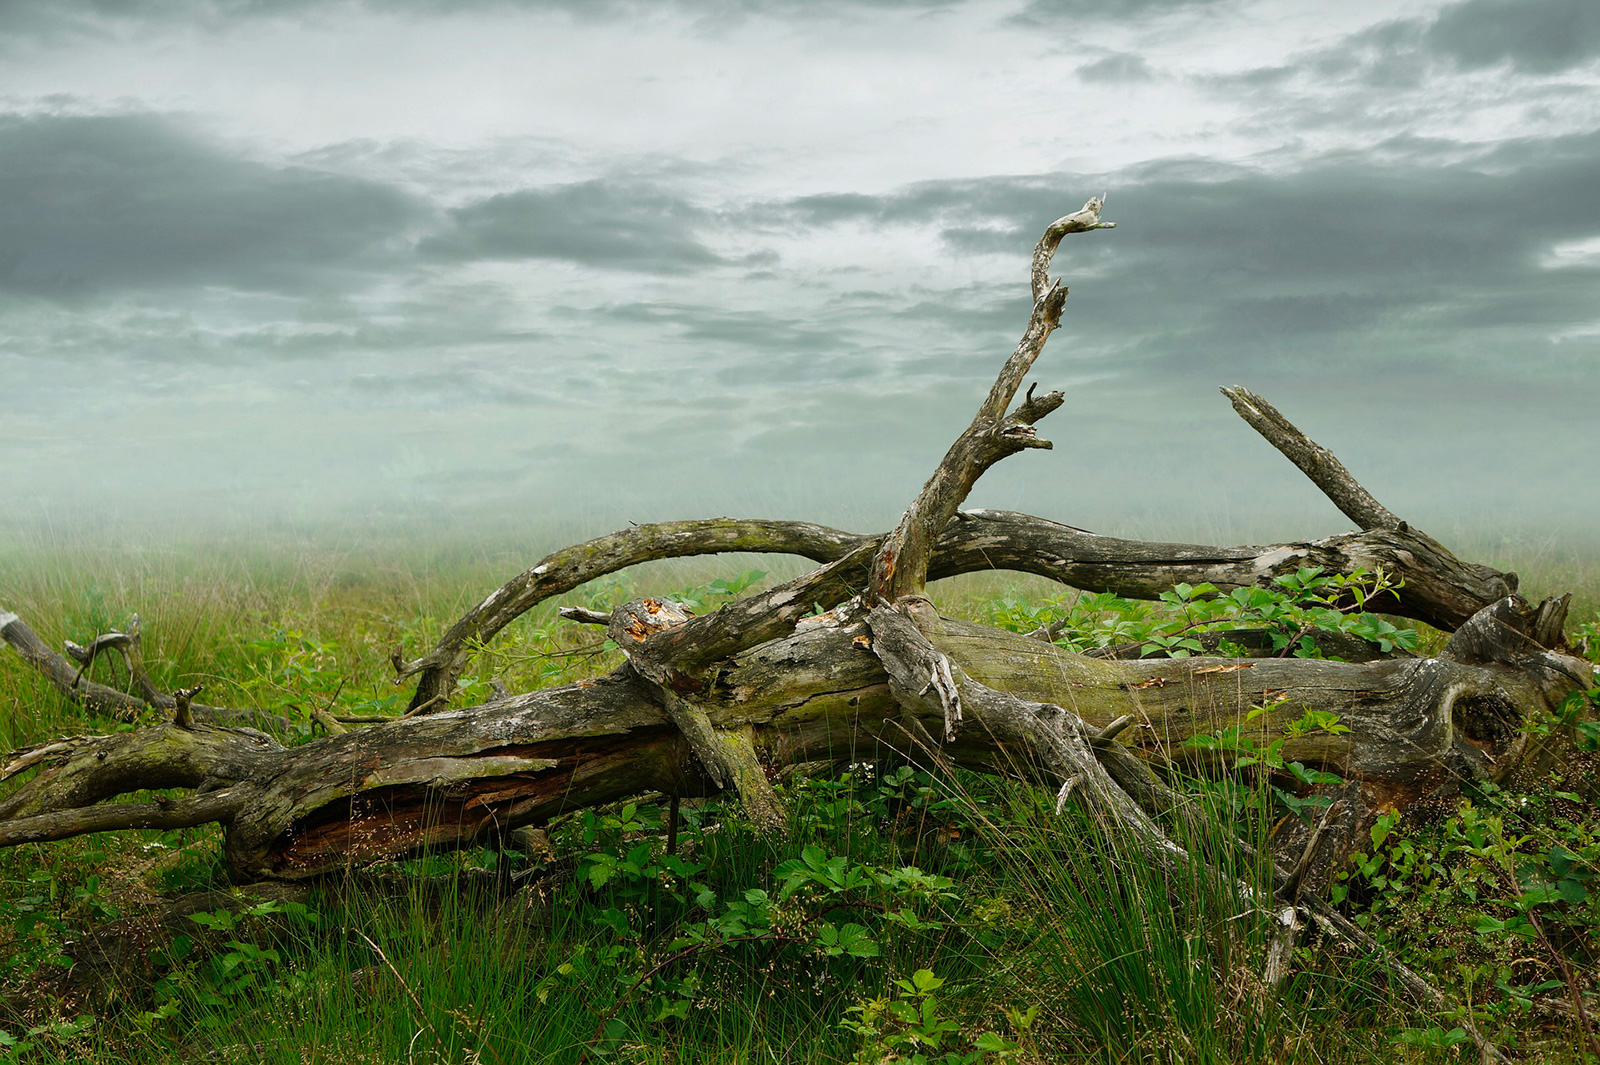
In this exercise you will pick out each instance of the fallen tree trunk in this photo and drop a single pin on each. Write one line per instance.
(821, 694)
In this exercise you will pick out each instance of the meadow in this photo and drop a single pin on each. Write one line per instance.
(906, 916)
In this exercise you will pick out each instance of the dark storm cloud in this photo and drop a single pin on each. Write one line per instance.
(596, 223)
(1219, 268)
(96, 203)
(1536, 36)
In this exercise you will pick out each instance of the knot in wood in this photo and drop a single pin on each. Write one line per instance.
(636, 622)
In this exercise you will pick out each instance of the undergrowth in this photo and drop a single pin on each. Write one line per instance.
(907, 916)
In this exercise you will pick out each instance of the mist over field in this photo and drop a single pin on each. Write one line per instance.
(544, 268)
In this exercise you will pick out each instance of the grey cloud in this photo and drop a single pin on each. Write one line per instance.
(22, 21)
(460, 384)
(25, 20)
(1531, 36)
(976, 240)
(1362, 265)
(952, 203)
(747, 332)
(1537, 36)
(596, 223)
(93, 203)
(1046, 11)
(829, 207)
(1345, 266)
(1117, 67)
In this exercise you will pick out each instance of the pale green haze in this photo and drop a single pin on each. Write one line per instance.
(554, 266)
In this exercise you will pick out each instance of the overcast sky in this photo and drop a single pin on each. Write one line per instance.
(586, 262)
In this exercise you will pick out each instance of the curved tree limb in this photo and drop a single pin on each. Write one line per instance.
(566, 569)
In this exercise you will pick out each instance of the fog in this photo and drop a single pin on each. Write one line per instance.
(542, 269)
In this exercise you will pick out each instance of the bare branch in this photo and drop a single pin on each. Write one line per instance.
(1313, 460)
(584, 616)
(566, 569)
(901, 564)
(163, 813)
(1086, 218)
(99, 698)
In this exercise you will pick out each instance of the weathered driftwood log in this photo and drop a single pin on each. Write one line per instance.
(821, 693)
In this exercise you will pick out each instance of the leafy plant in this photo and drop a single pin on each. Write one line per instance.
(1290, 611)
(908, 1026)
(1247, 752)
(1502, 894)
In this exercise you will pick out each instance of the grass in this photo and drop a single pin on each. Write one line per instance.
(1052, 942)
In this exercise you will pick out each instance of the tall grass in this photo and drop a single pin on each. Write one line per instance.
(507, 957)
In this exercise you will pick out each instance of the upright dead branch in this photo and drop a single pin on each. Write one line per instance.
(901, 565)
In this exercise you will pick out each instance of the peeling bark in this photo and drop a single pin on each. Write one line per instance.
(819, 694)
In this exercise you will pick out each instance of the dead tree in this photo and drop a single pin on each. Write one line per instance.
(726, 700)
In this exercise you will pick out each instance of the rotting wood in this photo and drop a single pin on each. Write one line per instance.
(818, 694)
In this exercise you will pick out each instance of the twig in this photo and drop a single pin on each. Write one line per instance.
(584, 616)
(416, 1000)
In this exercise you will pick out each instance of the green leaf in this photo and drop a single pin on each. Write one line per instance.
(1561, 860)
(856, 941)
(1539, 896)
(993, 1043)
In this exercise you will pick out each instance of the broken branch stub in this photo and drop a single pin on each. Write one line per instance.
(1312, 459)
(727, 754)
